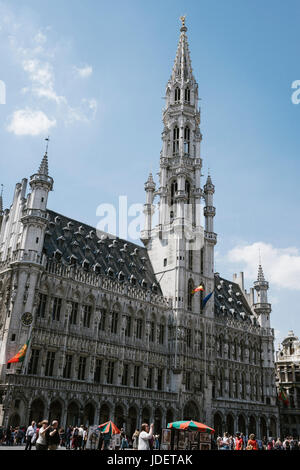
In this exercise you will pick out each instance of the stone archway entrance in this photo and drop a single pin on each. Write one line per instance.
(104, 413)
(263, 428)
(169, 417)
(37, 411)
(132, 420)
(73, 414)
(14, 420)
(157, 421)
(191, 411)
(145, 415)
(55, 412)
(119, 416)
(252, 425)
(218, 425)
(273, 427)
(88, 415)
(242, 424)
(230, 424)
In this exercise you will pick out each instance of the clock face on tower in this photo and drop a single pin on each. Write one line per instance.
(26, 318)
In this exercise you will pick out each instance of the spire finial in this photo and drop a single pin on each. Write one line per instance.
(47, 145)
(183, 27)
(1, 199)
(43, 170)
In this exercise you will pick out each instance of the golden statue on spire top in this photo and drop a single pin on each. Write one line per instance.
(182, 19)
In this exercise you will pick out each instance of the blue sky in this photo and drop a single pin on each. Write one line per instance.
(92, 74)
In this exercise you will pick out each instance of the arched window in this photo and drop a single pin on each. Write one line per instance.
(114, 322)
(175, 140)
(139, 328)
(242, 350)
(229, 348)
(187, 133)
(173, 192)
(221, 346)
(201, 297)
(190, 294)
(237, 384)
(177, 94)
(188, 191)
(221, 383)
(243, 392)
(187, 95)
(235, 350)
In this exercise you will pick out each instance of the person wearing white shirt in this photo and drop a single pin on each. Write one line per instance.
(145, 436)
(31, 430)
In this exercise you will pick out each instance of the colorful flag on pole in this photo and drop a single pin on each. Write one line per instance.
(198, 289)
(206, 299)
(20, 356)
(283, 396)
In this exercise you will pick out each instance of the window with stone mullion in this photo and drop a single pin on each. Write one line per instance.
(56, 308)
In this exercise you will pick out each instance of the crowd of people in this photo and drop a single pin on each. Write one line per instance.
(241, 442)
(45, 436)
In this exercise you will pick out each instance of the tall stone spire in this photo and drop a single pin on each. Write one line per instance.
(43, 170)
(260, 275)
(182, 69)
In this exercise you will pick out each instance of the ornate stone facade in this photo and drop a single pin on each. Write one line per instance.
(288, 381)
(116, 331)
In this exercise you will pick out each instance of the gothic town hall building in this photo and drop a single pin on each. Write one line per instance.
(113, 327)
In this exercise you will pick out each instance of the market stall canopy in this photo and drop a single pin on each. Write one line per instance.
(191, 426)
(109, 428)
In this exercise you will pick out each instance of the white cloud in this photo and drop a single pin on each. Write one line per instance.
(41, 76)
(30, 122)
(86, 112)
(41, 56)
(281, 265)
(84, 72)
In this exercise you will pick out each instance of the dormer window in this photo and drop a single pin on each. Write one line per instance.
(187, 95)
(97, 268)
(177, 95)
(85, 265)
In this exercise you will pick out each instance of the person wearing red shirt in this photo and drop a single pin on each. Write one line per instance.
(252, 442)
(238, 442)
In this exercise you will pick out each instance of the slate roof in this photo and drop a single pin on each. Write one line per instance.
(67, 241)
(231, 303)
